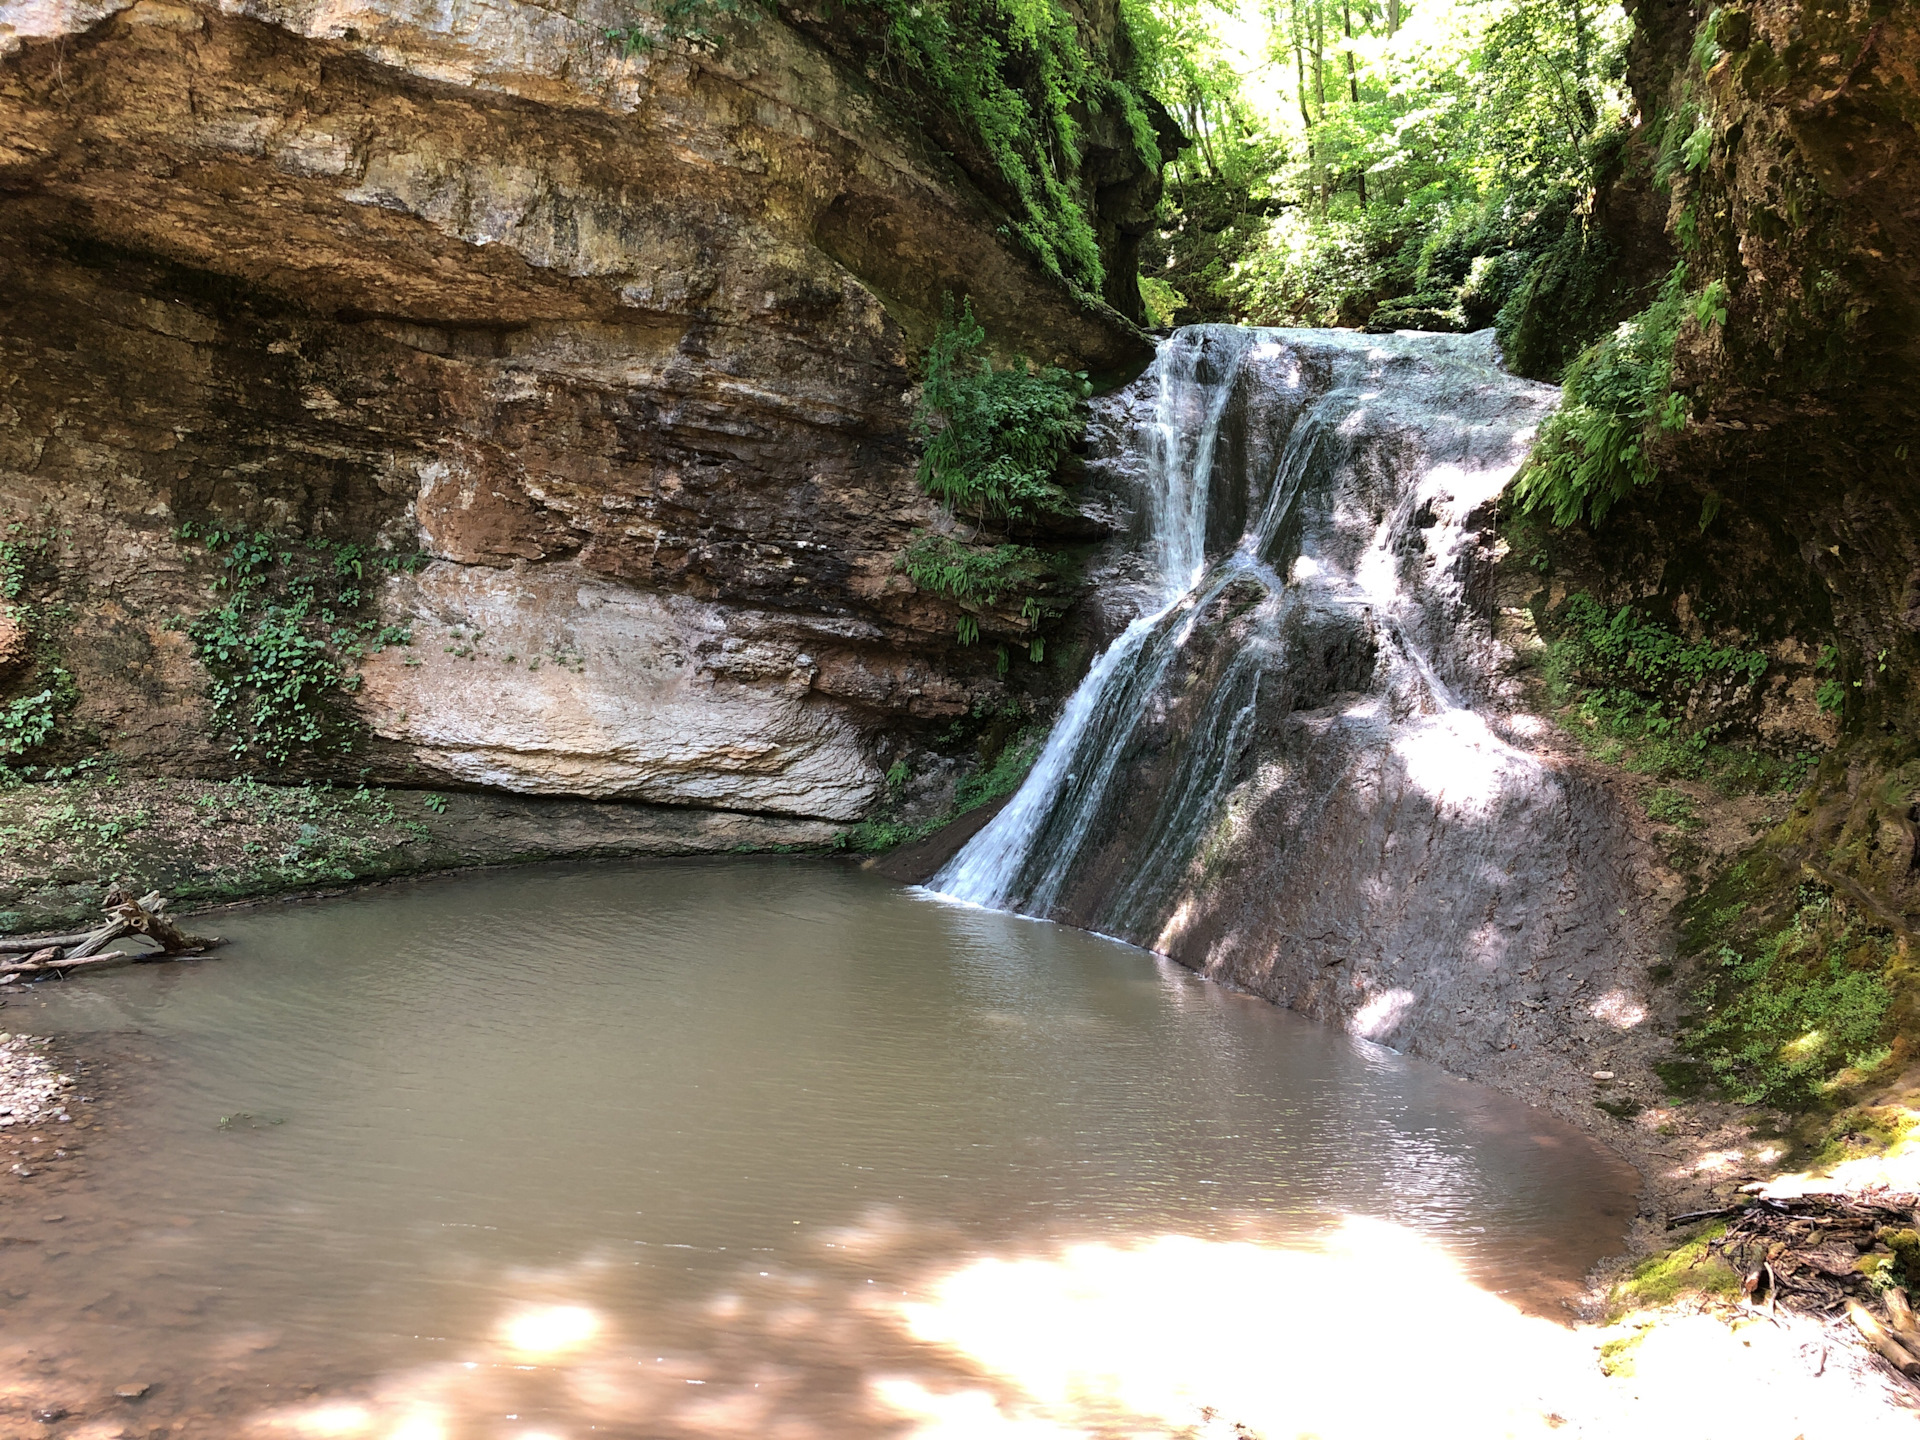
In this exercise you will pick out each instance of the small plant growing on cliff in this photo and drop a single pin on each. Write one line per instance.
(1616, 398)
(1634, 682)
(31, 720)
(992, 437)
(696, 24)
(945, 566)
(279, 646)
(991, 440)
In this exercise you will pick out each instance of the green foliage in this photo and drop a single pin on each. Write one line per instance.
(967, 573)
(1635, 650)
(1565, 297)
(1698, 144)
(991, 436)
(278, 650)
(999, 776)
(30, 721)
(16, 554)
(1161, 300)
(1425, 163)
(1831, 696)
(1004, 775)
(992, 439)
(1631, 684)
(1593, 450)
(1017, 79)
(1785, 1017)
(1672, 807)
(694, 24)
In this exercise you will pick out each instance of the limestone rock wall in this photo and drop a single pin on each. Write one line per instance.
(622, 343)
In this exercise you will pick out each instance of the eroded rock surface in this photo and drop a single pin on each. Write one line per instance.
(622, 343)
(1311, 775)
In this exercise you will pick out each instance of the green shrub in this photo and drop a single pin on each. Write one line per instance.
(947, 567)
(1592, 451)
(977, 576)
(1162, 302)
(1562, 300)
(1628, 647)
(992, 437)
(1002, 776)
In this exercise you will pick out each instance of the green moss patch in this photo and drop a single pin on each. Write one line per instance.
(1798, 1011)
(1689, 1268)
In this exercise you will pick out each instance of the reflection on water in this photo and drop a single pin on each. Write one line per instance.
(757, 1147)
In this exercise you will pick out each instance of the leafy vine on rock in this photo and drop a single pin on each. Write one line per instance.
(278, 650)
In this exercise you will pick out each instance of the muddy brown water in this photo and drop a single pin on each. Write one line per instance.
(694, 1148)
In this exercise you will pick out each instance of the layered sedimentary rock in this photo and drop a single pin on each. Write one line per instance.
(621, 342)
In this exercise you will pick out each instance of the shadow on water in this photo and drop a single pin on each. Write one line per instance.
(767, 1148)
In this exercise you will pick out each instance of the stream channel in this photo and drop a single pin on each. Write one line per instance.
(756, 1146)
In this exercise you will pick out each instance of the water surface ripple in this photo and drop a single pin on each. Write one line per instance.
(722, 1123)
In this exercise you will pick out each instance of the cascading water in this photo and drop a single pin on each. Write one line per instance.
(1296, 768)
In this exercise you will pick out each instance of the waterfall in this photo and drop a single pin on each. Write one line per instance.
(1312, 659)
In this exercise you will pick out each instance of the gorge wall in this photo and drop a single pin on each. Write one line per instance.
(1787, 510)
(619, 343)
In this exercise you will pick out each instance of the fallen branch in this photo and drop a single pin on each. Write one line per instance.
(1881, 1340)
(26, 944)
(61, 967)
(145, 917)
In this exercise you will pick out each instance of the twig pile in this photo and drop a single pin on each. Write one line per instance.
(1805, 1252)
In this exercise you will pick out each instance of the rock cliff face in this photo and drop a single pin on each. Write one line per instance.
(620, 343)
(1788, 512)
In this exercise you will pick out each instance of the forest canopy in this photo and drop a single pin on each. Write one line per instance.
(1392, 163)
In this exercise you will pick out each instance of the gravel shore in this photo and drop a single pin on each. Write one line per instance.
(32, 1089)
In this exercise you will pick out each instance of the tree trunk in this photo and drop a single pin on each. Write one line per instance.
(1320, 96)
(1353, 90)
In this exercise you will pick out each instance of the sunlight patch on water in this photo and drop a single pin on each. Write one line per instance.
(551, 1330)
(1163, 1335)
(1182, 1336)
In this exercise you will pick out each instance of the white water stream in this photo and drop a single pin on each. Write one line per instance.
(1301, 433)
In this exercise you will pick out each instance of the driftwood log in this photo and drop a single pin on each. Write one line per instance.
(144, 916)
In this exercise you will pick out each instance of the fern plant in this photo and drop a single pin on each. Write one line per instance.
(1617, 396)
(992, 437)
